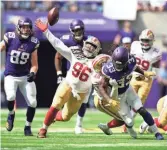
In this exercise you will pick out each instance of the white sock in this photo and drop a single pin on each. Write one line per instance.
(45, 126)
(28, 123)
(144, 125)
(11, 112)
(79, 121)
(154, 128)
(133, 113)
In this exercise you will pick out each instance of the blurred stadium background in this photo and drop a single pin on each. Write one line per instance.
(104, 19)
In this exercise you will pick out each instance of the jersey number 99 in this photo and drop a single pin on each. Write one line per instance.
(144, 64)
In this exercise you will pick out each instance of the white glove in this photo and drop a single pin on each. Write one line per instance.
(113, 82)
(59, 78)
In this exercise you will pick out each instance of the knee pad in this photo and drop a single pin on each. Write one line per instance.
(142, 111)
(66, 117)
(129, 122)
(11, 96)
(33, 103)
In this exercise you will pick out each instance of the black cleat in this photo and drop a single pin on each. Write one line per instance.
(159, 136)
(27, 131)
(10, 122)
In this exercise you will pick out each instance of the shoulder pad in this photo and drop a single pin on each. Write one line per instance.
(65, 37)
(99, 60)
(35, 41)
(9, 35)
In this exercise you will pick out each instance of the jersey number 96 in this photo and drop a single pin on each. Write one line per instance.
(81, 71)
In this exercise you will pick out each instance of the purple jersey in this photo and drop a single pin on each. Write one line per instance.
(76, 47)
(122, 77)
(18, 54)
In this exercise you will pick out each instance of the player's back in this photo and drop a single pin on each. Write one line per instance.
(145, 59)
(18, 54)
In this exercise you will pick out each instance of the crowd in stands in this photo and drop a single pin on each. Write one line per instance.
(152, 5)
(81, 6)
(66, 6)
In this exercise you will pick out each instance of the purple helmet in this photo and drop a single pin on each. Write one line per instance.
(24, 28)
(120, 58)
(77, 29)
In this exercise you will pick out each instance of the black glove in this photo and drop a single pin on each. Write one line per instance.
(31, 77)
(59, 78)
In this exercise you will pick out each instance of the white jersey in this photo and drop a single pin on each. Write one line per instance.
(78, 76)
(145, 59)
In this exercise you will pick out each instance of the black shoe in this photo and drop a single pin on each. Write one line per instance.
(27, 131)
(10, 122)
(159, 136)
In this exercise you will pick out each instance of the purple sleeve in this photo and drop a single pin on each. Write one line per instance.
(164, 56)
(8, 37)
(107, 69)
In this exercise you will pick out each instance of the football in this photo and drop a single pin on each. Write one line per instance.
(53, 16)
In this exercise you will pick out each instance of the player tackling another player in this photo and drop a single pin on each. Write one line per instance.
(119, 71)
(20, 70)
(73, 90)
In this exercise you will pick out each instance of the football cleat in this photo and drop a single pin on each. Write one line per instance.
(132, 132)
(27, 131)
(142, 129)
(42, 133)
(159, 136)
(105, 128)
(78, 130)
(10, 122)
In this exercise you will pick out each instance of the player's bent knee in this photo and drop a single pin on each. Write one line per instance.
(33, 104)
(66, 117)
(11, 96)
(129, 122)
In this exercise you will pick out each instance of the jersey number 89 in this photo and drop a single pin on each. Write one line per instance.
(18, 57)
(80, 71)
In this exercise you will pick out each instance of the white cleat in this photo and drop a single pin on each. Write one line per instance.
(78, 130)
(132, 132)
(142, 129)
(105, 128)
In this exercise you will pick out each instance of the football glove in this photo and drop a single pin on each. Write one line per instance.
(41, 25)
(31, 77)
(113, 83)
(59, 78)
(149, 74)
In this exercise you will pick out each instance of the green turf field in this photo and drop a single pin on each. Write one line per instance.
(61, 135)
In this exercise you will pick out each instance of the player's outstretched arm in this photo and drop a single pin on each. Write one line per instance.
(56, 42)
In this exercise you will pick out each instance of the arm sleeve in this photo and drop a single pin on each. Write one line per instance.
(58, 45)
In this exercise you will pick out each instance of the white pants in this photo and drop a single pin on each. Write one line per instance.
(129, 100)
(28, 89)
(87, 96)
